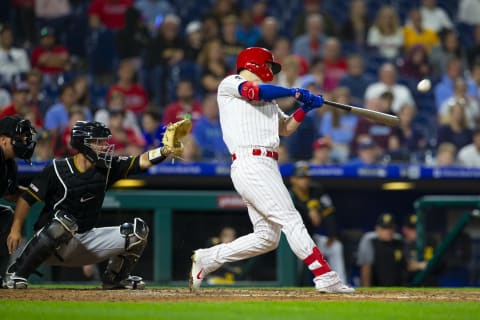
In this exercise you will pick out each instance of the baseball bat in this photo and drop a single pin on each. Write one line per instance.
(376, 116)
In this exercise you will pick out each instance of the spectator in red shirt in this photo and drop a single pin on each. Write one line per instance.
(335, 66)
(111, 13)
(136, 98)
(125, 139)
(20, 106)
(50, 58)
(185, 104)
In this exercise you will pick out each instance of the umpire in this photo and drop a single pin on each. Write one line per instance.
(16, 141)
(73, 190)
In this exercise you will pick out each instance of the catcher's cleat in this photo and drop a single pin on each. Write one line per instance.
(130, 283)
(197, 274)
(14, 282)
(331, 283)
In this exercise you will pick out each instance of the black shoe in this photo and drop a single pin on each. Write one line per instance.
(130, 283)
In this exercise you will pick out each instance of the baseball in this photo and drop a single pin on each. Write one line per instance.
(424, 85)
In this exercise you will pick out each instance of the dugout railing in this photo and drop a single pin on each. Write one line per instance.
(470, 205)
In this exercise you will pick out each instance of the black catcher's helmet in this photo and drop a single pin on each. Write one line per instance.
(21, 132)
(91, 139)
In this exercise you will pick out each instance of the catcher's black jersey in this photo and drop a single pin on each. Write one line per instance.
(8, 175)
(63, 187)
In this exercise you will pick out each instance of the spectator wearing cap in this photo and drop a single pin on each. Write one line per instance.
(49, 57)
(318, 213)
(111, 13)
(20, 106)
(367, 153)
(380, 255)
(469, 155)
(414, 263)
(322, 148)
(13, 61)
(194, 41)
(339, 126)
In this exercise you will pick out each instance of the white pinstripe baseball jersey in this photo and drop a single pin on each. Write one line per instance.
(247, 123)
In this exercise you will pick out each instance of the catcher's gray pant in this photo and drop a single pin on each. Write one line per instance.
(93, 246)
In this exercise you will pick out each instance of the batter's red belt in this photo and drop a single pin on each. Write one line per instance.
(260, 152)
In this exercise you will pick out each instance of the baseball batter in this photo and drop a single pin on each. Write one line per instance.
(251, 123)
(73, 190)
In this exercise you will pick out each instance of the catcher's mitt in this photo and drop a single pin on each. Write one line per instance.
(173, 135)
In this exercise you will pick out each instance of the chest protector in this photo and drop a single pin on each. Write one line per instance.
(83, 193)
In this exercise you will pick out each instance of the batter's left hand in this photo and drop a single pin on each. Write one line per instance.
(315, 102)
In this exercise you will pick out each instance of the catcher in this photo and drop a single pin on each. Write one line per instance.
(73, 190)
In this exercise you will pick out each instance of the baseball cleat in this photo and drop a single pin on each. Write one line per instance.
(15, 282)
(130, 283)
(196, 274)
(331, 283)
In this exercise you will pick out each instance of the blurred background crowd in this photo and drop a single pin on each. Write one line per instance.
(138, 64)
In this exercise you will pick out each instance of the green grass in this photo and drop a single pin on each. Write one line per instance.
(298, 310)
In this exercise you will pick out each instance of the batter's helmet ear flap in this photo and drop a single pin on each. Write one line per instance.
(256, 60)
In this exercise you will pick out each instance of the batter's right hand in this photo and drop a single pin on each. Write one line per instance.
(13, 241)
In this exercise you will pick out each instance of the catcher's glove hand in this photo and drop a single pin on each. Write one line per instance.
(174, 133)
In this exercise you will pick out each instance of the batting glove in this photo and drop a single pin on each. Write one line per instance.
(302, 95)
(315, 102)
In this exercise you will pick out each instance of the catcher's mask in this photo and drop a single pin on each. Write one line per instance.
(22, 133)
(91, 138)
(256, 60)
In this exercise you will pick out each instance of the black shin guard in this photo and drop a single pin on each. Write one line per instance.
(119, 267)
(45, 243)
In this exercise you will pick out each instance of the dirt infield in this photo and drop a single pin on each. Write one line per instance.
(234, 294)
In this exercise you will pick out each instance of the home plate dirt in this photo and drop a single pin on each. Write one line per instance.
(235, 294)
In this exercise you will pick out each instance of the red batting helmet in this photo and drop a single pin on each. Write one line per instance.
(255, 60)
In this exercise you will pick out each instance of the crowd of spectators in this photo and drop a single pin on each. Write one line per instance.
(138, 65)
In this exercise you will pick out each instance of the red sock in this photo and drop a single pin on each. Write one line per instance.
(317, 263)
